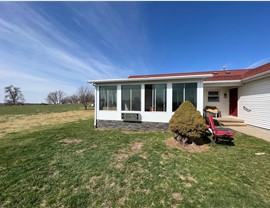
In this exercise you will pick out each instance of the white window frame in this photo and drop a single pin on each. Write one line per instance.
(213, 96)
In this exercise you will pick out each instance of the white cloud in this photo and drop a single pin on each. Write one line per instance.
(258, 63)
(38, 55)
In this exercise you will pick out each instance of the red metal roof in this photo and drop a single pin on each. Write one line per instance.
(217, 75)
(258, 70)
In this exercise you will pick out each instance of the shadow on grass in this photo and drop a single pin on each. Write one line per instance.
(225, 142)
(208, 139)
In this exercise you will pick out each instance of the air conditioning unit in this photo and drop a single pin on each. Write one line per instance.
(131, 117)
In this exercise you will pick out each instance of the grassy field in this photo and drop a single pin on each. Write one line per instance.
(35, 109)
(74, 165)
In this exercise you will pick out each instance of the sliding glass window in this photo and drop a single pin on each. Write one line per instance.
(155, 97)
(131, 97)
(178, 95)
(183, 92)
(107, 98)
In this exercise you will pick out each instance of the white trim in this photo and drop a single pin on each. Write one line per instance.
(203, 76)
(223, 83)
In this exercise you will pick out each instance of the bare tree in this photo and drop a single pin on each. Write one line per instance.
(55, 97)
(73, 99)
(85, 96)
(13, 95)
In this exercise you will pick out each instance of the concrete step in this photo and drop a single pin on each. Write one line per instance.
(233, 124)
(230, 120)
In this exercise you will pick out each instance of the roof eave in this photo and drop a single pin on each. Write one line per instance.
(108, 81)
(223, 83)
(256, 76)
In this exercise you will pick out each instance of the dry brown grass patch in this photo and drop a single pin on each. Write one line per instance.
(187, 185)
(69, 140)
(122, 156)
(192, 179)
(136, 146)
(171, 142)
(177, 196)
(17, 123)
(120, 159)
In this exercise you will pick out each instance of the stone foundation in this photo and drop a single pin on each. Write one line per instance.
(132, 125)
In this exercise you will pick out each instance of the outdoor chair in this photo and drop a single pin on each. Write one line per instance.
(224, 134)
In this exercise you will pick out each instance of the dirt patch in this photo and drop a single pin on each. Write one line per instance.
(122, 155)
(177, 196)
(136, 146)
(121, 201)
(17, 123)
(171, 142)
(120, 159)
(68, 141)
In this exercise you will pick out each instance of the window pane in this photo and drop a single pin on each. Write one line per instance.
(213, 96)
(125, 98)
(148, 97)
(155, 97)
(160, 97)
(213, 93)
(191, 93)
(131, 97)
(107, 98)
(136, 98)
(178, 92)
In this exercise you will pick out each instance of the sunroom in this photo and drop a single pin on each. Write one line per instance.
(144, 103)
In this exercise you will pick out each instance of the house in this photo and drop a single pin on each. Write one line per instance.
(148, 101)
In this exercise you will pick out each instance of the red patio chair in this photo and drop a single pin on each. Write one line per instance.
(222, 133)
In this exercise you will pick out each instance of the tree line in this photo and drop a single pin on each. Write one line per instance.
(83, 95)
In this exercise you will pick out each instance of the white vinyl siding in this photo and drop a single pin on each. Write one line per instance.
(254, 103)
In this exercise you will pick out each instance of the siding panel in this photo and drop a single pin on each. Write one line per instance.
(254, 103)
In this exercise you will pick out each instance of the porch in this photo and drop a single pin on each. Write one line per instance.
(223, 96)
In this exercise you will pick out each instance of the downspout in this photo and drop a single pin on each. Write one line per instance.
(95, 119)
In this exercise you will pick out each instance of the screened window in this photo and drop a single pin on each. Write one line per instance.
(213, 96)
(107, 98)
(155, 97)
(183, 92)
(131, 97)
(191, 93)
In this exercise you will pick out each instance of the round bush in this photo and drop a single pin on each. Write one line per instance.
(187, 123)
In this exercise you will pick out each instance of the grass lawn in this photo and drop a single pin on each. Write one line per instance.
(74, 165)
(35, 109)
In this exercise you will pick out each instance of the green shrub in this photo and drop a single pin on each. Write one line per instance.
(187, 123)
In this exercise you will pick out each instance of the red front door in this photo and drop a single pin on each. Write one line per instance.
(233, 101)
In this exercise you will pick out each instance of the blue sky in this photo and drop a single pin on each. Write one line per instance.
(47, 46)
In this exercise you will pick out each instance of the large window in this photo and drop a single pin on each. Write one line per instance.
(213, 96)
(183, 92)
(155, 97)
(131, 97)
(107, 98)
